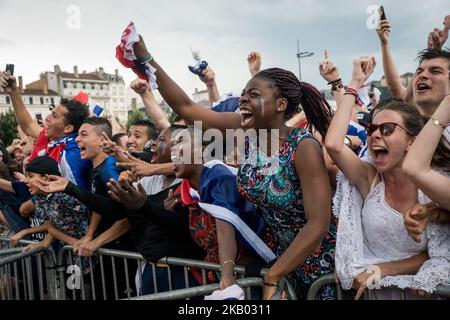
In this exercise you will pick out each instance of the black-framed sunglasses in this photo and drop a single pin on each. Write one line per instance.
(386, 129)
(51, 107)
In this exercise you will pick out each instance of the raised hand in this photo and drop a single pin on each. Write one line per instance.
(363, 69)
(127, 194)
(254, 63)
(383, 31)
(437, 38)
(4, 76)
(140, 86)
(328, 70)
(138, 167)
(56, 184)
(140, 50)
(208, 77)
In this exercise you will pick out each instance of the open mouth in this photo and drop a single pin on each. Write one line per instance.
(380, 154)
(247, 117)
(422, 87)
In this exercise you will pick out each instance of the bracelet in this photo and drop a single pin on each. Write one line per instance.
(353, 92)
(148, 58)
(337, 86)
(228, 261)
(436, 122)
(334, 81)
(269, 284)
(349, 142)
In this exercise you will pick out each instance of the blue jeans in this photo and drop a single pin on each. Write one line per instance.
(177, 277)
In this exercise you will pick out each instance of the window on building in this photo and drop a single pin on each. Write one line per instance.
(8, 100)
(30, 100)
(47, 101)
(42, 100)
(52, 100)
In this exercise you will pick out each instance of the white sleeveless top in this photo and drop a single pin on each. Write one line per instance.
(385, 236)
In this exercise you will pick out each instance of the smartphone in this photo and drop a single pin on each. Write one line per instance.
(382, 13)
(39, 119)
(10, 71)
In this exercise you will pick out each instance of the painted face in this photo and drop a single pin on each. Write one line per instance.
(258, 104)
(89, 142)
(31, 177)
(137, 138)
(161, 147)
(430, 84)
(55, 123)
(387, 145)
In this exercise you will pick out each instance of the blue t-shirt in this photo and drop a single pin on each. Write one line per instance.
(101, 175)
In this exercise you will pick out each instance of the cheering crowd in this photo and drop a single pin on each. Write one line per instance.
(360, 191)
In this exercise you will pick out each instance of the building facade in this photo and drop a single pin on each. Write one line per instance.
(36, 100)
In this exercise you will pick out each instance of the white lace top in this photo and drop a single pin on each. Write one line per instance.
(385, 236)
(375, 233)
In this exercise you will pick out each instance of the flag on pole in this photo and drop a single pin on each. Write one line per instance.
(125, 54)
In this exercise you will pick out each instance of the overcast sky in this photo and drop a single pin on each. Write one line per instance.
(36, 35)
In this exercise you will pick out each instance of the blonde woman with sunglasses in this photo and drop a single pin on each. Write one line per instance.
(373, 247)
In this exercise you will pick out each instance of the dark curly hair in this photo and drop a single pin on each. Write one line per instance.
(76, 113)
(299, 94)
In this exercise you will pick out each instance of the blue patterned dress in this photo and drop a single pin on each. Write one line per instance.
(277, 192)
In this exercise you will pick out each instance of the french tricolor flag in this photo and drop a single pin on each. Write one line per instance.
(94, 108)
(125, 54)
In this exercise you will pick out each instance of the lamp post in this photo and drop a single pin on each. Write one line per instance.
(300, 55)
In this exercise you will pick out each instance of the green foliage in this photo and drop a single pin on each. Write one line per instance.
(135, 116)
(8, 127)
(172, 117)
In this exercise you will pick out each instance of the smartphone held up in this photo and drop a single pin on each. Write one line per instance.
(10, 70)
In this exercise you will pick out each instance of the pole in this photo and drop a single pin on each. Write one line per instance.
(299, 60)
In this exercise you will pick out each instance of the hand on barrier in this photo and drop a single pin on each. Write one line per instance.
(420, 293)
(87, 249)
(80, 242)
(15, 238)
(32, 246)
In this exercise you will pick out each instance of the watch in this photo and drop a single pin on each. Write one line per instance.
(436, 122)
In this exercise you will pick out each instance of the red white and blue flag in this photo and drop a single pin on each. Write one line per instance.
(125, 54)
(94, 107)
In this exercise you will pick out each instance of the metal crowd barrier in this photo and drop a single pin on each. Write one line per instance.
(442, 292)
(26, 275)
(39, 272)
(200, 291)
(116, 257)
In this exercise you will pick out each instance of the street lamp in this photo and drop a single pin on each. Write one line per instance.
(300, 55)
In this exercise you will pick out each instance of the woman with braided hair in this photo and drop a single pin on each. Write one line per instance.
(289, 184)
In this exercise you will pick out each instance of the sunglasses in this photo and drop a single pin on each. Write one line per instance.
(386, 129)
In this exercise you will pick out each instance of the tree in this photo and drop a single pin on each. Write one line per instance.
(135, 116)
(8, 127)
